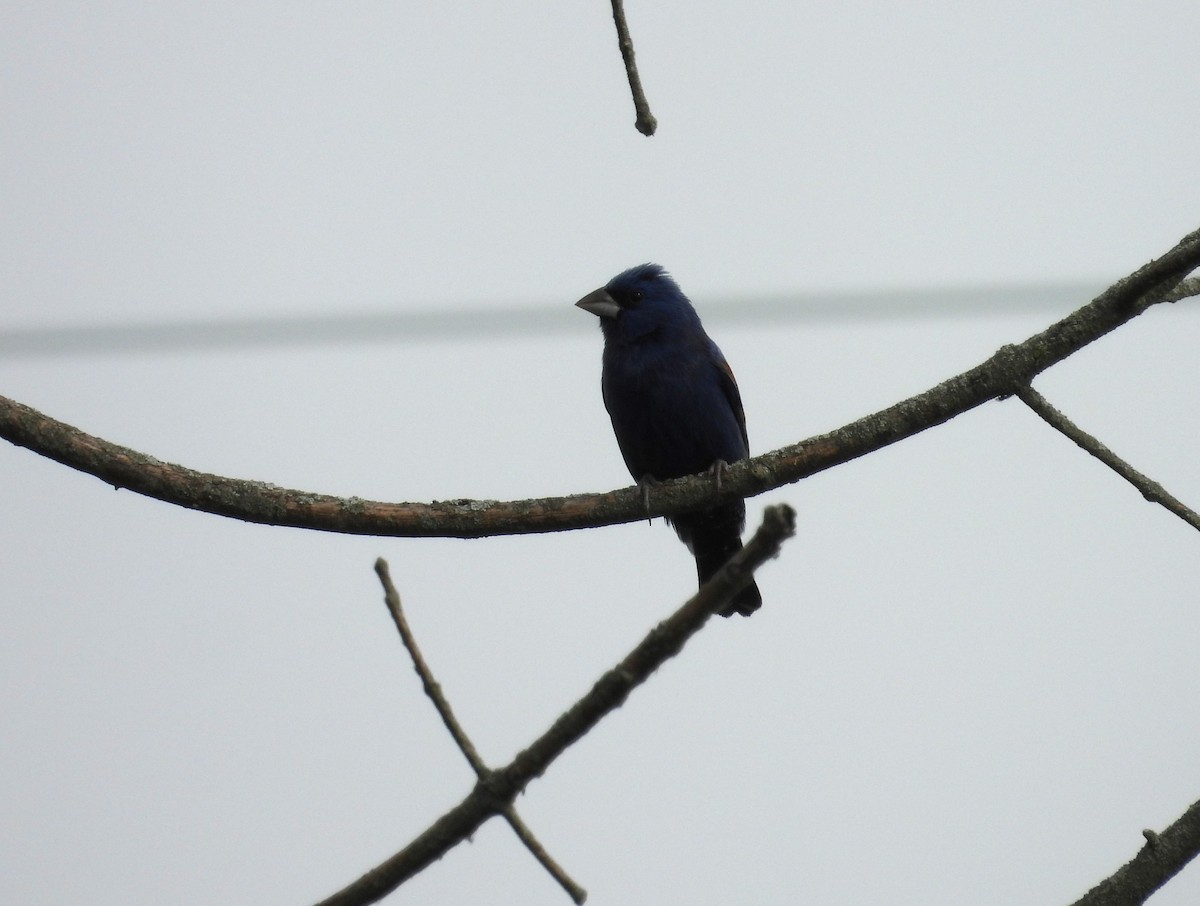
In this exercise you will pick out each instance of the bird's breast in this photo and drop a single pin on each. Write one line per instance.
(669, 414)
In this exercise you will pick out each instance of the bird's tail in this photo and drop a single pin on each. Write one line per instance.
(748, 600)
(713, 541)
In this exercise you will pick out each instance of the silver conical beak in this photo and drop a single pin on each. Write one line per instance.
(600, 303)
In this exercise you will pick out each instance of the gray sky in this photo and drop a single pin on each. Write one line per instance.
(974, 677)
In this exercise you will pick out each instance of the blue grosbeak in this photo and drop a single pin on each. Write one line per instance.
(674, 405)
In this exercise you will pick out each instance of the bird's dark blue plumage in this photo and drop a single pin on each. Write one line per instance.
(674, 405)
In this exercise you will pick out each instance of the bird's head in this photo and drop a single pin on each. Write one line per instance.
(641, 301)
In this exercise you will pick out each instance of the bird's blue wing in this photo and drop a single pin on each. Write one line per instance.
(730, 390)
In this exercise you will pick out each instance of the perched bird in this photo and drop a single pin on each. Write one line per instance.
(674, 405)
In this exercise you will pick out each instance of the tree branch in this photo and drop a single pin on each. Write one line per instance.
(433, 690)
(432, 687)
(1185, 289)
(1150, 489)
(645, 123)
(1163, 857)
(494, 792)
(1008, 369)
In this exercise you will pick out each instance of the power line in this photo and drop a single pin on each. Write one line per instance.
(458, 323)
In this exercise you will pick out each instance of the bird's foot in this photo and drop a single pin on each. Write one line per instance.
(644, 484)
(718, 470)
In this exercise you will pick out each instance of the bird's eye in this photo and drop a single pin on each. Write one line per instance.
(636, 296)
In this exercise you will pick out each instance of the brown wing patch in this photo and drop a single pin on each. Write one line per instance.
(730, 388)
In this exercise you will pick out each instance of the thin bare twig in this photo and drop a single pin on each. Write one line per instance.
(645, 123)
(432, 687)
(253, 501)
(1150, 489)
(1185, 289)
(1163, 857)
(433, 690)
(548, 862)
(495, 792)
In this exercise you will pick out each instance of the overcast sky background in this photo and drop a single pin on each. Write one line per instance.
(974, 678)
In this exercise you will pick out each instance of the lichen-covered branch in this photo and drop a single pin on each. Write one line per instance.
(1008, 369)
